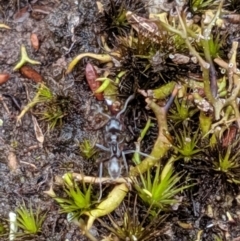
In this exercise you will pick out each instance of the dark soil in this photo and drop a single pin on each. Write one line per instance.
(36, 166)
(60, 151)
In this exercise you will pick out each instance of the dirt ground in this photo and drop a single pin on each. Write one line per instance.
(60, 152)
(27, 167)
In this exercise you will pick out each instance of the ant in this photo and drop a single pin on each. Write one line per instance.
(113, 139)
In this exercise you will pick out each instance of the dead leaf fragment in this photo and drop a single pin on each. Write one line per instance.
(185, 225)
(179, 58)
(34, 41)
(21, 15)
(2, 25)
(100, 7)
(31, 73)
(199, 235)
(91, 76)
(238, 199)
(232, 18)
(229, 136)
(12, 161)
(41, 9)
(50, 192)
(4, 77)
(38, 131)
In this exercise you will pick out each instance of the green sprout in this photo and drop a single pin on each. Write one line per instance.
(179, 43)
(104, 85)
(54, 111)
(3, 228)
(161, 190)
(77, 200)
(136, 157)
(109, 85)
(29, 221)
(24, 59)
(120, 20)
(215, 46)
(54, 106)
(183, 111)
(87, 149)
(43, 94)
(201, 5)
(53, 115)
(14, 144)
(228, 162)
(131, 228)
(115, 16)
(217, 238)
(186, 144)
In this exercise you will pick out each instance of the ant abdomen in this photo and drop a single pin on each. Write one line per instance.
(114, 168)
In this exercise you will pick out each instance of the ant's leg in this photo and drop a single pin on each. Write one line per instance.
(125, 161)
(101, 161)
(141, 153)
(100, 181)
(103, 148)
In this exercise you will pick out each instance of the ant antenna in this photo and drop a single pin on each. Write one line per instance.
(131, 97)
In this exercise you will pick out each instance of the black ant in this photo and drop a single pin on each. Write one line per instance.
(113, 139)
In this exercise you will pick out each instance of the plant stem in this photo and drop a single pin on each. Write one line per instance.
(24, 59)
(205, 44)
(31, 104)
(162, 144)
(97, 180)
(103, 58)
(162, 92)
(136, 156)
(82, 226)
(212, 70)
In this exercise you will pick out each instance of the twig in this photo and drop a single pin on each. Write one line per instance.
(162, 144)
(30, 164)
(97, 180)
(82, 226)
(4, 105)
(225, 65)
